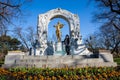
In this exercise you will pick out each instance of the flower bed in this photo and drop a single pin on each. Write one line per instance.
(86, 73)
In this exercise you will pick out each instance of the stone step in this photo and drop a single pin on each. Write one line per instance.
(63, 60)
(56, 61)
(55, 65)
(100, 64)
(53, 57)
(33, 57)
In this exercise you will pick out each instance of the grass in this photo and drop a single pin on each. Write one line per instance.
(1, 62)
(117, 60)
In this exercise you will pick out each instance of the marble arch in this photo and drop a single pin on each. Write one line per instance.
(74, 30)
(44, 19)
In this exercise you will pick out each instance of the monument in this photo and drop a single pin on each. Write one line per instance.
(59, 48)
(53, 54)
(77, 48)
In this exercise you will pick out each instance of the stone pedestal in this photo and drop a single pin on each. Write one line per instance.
(59, 49)
(106, 55)
(56, 61)
(59, 46)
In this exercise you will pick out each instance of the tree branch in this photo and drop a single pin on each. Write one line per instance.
(111, 8)
(116, 26)
(116, 45)
(4, 18)
(10, 4)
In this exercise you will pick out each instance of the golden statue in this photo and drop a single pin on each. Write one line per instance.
(58, 32)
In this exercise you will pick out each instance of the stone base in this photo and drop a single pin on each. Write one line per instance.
(59, 49)
(59, 46)
(56, 61)
(59, 53)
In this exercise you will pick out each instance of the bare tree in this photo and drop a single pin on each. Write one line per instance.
(20, 35)
(111, 37)
(108, 12)
(107, 38)
(92, 42)
(26, 36)
(9, 9)
(31, 35)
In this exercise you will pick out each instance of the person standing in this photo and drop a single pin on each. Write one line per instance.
(67, 44)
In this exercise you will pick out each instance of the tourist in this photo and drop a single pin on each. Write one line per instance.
(67, 44)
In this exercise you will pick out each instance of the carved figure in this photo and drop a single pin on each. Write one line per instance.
(58, 32)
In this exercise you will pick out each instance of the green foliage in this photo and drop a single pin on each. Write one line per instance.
(95, 73)
(8, 43)
(1, 62)
(18, 69)
(34, 71)
(3, 77)
(117, 60)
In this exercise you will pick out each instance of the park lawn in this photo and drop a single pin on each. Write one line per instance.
(117, 60)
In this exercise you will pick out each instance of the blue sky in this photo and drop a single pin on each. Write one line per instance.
(79, 7)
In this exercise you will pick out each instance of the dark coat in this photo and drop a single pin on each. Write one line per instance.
(67, 41)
